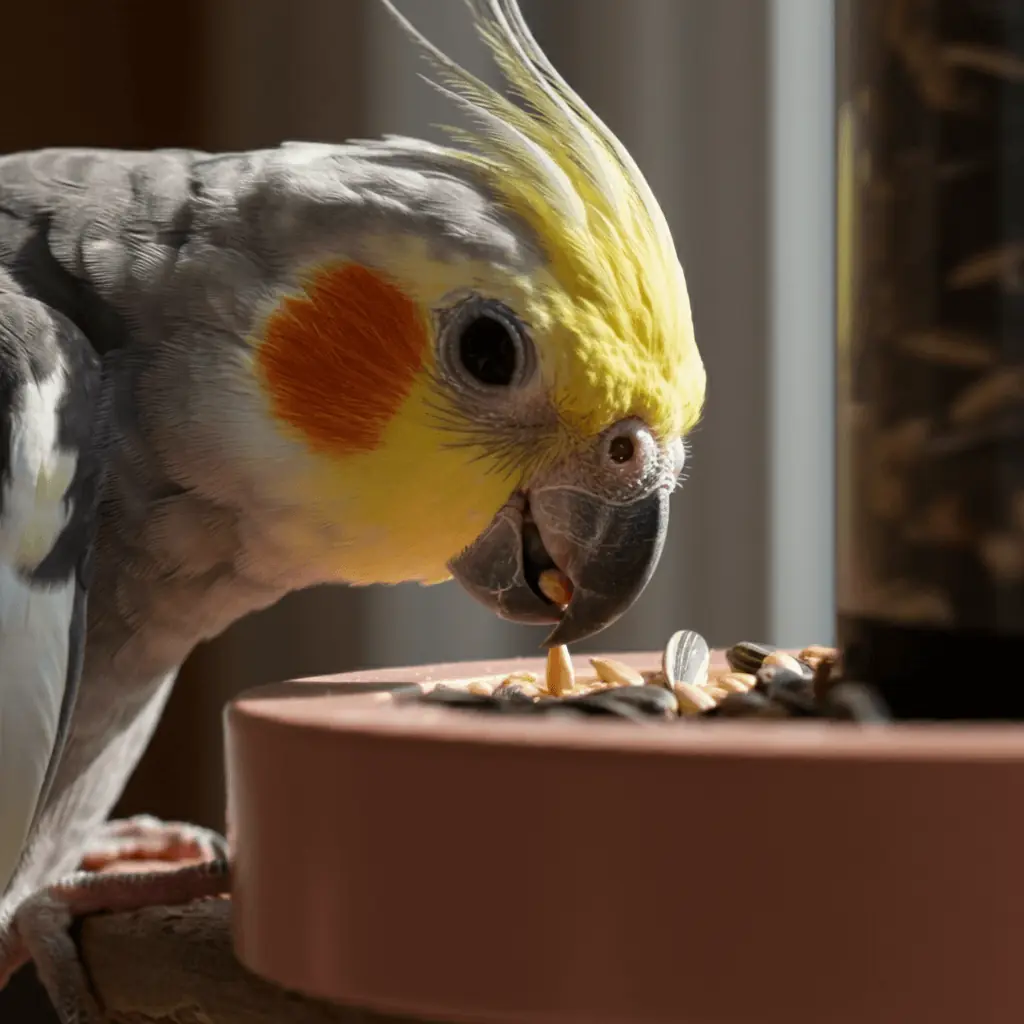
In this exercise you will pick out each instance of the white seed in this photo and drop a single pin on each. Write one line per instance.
(616, 673)
(686, 658)
(481, 687)
(692, 698)
(560, 674)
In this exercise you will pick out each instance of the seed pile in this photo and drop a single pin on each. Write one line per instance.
(759, 681)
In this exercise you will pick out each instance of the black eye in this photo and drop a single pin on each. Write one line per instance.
(489, 352)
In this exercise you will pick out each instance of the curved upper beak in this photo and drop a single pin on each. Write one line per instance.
(608, 550)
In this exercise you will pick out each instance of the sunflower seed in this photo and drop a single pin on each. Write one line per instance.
(686, 658)
(449, 696)
(636, 703)
(747, 656)
(616, 673)
(740, 705)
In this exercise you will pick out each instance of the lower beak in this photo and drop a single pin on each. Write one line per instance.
(608, 550)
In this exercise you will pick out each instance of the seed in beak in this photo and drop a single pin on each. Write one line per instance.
(556, 587)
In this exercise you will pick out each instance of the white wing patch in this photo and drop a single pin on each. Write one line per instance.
(35, 617)
(34, 636)
(34, 511)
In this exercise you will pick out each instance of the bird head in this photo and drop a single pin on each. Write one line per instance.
(487, 411)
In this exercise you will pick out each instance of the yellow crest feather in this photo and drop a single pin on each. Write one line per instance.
(619, 310)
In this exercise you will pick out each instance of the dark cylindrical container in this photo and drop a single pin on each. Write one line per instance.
(930, 325)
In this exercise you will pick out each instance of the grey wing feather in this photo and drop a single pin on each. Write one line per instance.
(52, 425)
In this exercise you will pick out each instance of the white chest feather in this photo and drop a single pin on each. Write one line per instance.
(34, 510)
(34, 638)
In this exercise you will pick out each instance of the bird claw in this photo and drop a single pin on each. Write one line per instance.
(147, 838)
(40, 928)
(43, 924)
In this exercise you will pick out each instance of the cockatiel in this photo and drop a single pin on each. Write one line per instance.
(225, 377)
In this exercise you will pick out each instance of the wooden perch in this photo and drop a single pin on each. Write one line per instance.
(175, 965)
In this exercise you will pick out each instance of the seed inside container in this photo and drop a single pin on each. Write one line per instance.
(685, 689)
(556, 587)
(616, 673)
(560, 673)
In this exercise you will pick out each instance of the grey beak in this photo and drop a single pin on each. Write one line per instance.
(609, 550)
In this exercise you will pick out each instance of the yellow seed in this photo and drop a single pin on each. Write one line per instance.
(560, 674)
(556, 587)
(520, 677)
(481, 687)
(817, 652)
(716, 693)
(692, 698)
(736, 682)
(616, 673)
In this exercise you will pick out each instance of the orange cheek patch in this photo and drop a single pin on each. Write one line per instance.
(341, 359)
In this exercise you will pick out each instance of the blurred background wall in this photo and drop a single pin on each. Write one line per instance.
(727, 107)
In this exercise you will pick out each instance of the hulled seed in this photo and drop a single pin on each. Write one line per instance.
(560, 676)
(815, 653)
(692, 699)
(616, 673)
(556, 587)
(736, 682)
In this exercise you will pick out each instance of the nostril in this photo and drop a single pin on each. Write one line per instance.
(621, 449)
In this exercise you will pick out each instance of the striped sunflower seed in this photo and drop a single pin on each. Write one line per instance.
(686, 658)
(747, 656)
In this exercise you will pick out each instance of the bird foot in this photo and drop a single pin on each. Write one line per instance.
(40, 929)
(144, 838)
